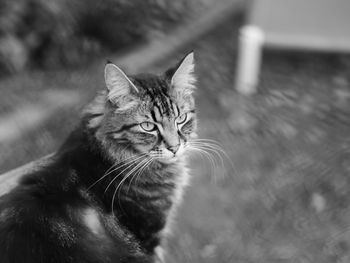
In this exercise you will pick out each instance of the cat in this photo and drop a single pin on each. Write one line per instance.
(110, 192)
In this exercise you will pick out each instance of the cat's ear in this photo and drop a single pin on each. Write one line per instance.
(120, 87)
(183, 78)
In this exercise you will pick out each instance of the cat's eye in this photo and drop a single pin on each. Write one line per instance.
(148, 126)
(181, 119)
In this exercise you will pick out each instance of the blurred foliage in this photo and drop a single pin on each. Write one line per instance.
(63, 32)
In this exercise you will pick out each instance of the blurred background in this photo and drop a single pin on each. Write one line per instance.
(281, 193)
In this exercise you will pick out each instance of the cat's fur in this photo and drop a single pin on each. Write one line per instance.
(92, 203)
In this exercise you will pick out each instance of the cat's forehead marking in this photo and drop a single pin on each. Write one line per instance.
(175, 109)
(164, 107)
(156, 114)
(162, 103)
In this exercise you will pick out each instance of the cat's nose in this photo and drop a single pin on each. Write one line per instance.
(174, 149)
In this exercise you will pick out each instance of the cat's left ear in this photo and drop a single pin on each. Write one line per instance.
(121, 90)
(183, 78)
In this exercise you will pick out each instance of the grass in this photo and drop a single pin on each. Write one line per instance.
(287, 197)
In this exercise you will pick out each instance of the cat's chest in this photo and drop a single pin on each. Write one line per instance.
(143, 209)
(159, 189)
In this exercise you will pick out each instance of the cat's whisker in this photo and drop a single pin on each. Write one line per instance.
(213, 144)
(209, 157)
(112, 169)
(145, 167)
(140, 171)
(122, 160)
(206, 140)
(123, 180)
(116, 164)
(130, 160)
(213, 150)
(136, 172)
(209, 142)
(214, 166)
(103, 176)
(128, 165)
(217, 158)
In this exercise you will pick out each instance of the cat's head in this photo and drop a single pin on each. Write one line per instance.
(146, 114)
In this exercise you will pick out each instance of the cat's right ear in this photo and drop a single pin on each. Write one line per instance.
(182, 77)
(120, 87)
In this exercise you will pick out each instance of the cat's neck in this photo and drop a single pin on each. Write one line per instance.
(142, 202)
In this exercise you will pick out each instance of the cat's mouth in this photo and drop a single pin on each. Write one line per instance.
(167, 156)
(172, 159)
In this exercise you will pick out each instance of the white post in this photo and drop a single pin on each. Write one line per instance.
(251, 39)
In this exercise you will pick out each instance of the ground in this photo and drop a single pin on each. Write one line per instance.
(282, 195)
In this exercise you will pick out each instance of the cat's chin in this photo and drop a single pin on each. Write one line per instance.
(168, 160)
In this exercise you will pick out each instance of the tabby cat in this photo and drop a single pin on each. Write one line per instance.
(110, 192)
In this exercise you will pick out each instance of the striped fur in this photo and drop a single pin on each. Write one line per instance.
(111, 191)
